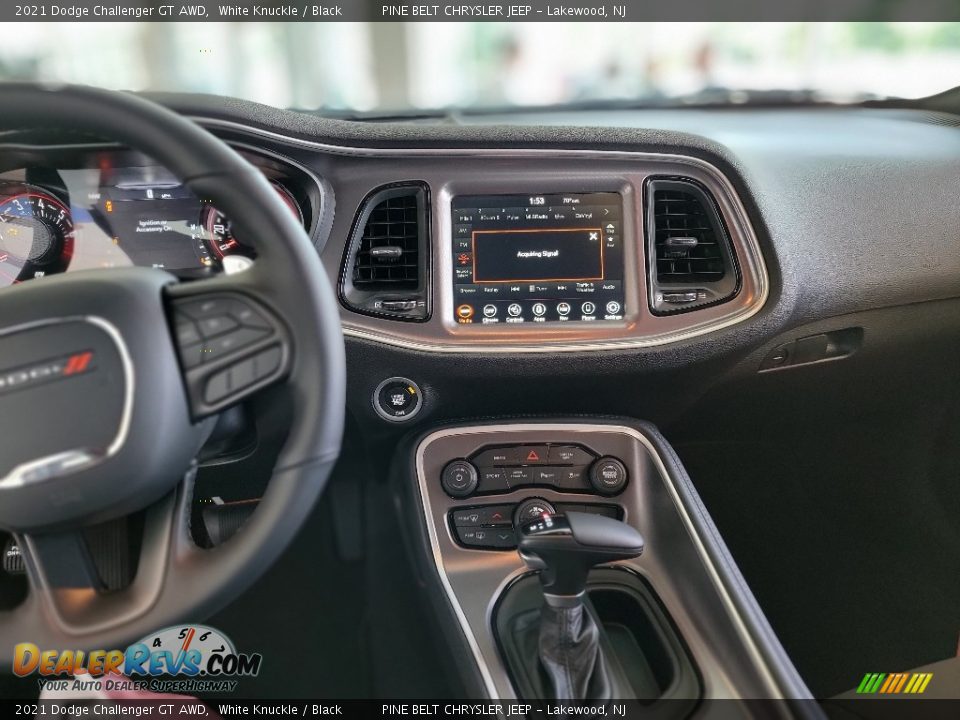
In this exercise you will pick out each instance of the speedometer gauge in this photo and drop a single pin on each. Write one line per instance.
(222, 246)
(36, 235)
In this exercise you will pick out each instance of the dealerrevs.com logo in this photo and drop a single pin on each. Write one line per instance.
(182, 658)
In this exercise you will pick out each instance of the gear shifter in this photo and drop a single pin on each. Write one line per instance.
(564, 548)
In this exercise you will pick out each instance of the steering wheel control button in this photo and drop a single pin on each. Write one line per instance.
(608, 475)
(267, 362)
(218, 387)
(228, 347)
(207, 307)
(216, 325)
(233, 340)
(397, 399)
(192, 355)
(242, 375)
(459, 479)
(247, 315)
(187, 333)
(532, 510)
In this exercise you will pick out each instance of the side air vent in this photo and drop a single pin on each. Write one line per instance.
(690, 262)
(385, 271)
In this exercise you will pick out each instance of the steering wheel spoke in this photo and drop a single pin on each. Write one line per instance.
(60, 559)
(73, 597)
(230, 343)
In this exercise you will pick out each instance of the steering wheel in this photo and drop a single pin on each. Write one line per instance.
(107, 393)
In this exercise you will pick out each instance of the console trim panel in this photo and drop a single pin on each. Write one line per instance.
(501, 568)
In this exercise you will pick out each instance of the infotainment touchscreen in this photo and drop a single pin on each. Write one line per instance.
(538, 258)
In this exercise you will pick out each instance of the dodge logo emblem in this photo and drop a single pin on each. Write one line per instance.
(28, 375)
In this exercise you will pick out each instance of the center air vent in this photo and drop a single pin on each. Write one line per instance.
(388, 256)
(385, 271)
(690, 261)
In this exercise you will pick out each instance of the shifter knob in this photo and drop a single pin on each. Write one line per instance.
(564, 548)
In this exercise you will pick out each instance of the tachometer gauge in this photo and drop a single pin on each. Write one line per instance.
(36, 236)
(222, 247)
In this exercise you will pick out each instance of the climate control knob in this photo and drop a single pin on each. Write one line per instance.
(530, 510)
(608, 475)
(459, 479)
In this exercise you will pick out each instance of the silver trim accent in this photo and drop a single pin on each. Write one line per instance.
(565, 430)
(753, 264)
(314, 178)
(17, 477)
(392, 418)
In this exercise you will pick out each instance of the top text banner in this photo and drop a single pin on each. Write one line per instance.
(443, 11)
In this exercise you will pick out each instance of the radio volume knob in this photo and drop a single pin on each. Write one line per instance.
(459, 479)
(608, 475)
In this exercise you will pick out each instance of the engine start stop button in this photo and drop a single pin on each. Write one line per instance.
(397, 399)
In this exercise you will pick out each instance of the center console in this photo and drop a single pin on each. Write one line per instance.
(677, 622)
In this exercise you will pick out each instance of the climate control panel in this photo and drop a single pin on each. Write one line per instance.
(563, 467)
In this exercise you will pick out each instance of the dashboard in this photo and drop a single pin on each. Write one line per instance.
(782, 251)
(527, 253)
(815, 317)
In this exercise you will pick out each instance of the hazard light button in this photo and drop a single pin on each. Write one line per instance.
(533, 454)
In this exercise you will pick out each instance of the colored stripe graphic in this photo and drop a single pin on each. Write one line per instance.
(77, 363)
(903, 681)
(894, 683)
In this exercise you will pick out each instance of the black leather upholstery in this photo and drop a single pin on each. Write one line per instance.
(569, 651)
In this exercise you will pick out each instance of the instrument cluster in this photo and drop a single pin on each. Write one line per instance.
(110, 213)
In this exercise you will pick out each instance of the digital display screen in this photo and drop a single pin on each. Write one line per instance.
(538, 258)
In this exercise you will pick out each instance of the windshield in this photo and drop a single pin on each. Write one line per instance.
(409, 67)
